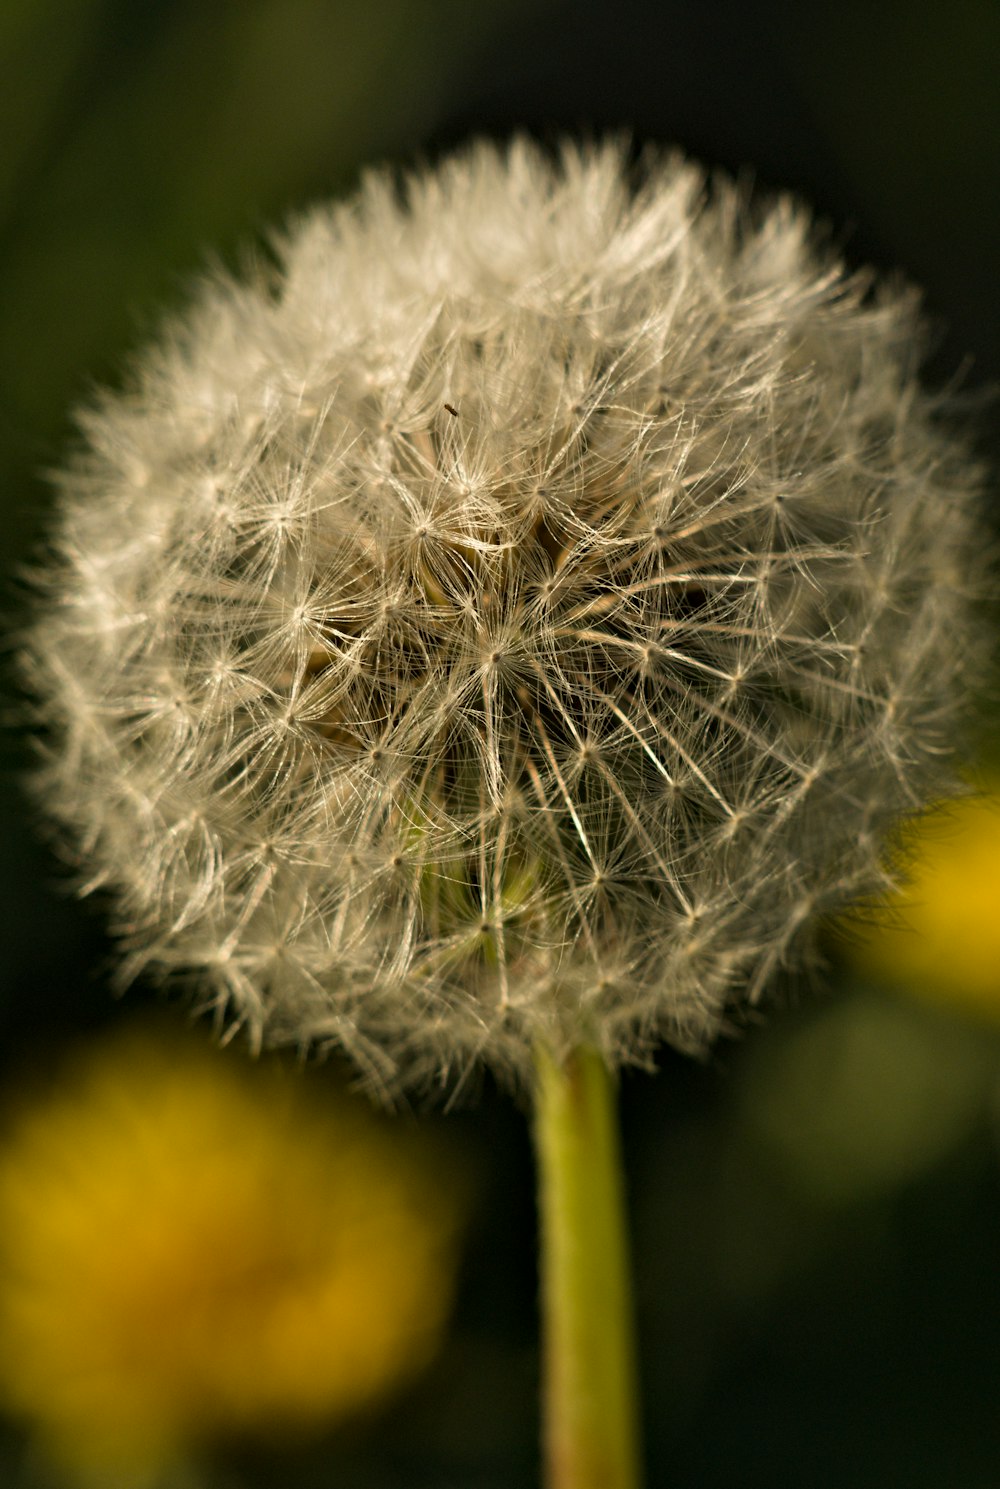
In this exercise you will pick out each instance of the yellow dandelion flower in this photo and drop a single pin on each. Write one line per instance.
(943, 937)
(190, 1248)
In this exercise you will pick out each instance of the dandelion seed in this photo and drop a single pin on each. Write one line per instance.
(558, 722)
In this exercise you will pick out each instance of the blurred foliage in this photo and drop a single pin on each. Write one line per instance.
(816, 1233)
(815, 1210)
(908, 97)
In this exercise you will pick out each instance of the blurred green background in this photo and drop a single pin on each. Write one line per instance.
(815, 1210)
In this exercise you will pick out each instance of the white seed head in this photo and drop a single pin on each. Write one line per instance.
(514, 618)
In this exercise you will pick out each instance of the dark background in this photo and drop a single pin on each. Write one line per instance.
(815, 1210)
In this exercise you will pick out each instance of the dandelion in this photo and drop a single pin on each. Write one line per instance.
(942, 938)
(191, 1250)
(502, 628)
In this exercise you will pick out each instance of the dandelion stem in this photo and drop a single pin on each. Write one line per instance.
(589, 1401)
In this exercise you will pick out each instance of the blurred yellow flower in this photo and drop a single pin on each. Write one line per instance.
(942, 938)
(191, 1246)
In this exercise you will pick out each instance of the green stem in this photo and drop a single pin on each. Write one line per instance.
(589, 1402)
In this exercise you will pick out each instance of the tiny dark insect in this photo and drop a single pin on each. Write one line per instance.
(452, 410)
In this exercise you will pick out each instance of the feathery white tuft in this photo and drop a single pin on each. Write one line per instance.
(514, 619)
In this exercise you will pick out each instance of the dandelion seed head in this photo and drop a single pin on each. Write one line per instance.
(515, 618)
